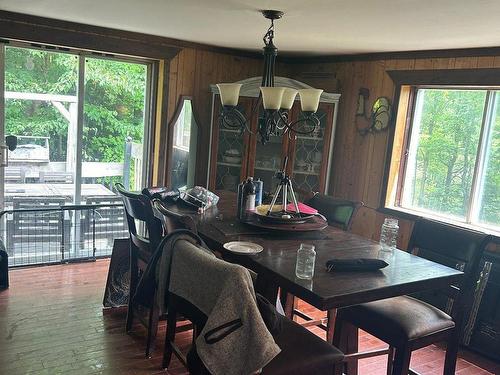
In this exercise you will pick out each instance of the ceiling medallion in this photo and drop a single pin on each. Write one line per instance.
(276, 101)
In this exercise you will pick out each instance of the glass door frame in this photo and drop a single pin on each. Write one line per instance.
(148, 117)
(2, 123)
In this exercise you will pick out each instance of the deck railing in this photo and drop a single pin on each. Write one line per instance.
(61, 234)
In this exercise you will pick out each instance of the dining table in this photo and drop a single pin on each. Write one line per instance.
(327, 291)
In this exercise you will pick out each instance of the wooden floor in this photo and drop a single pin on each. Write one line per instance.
(52, 322)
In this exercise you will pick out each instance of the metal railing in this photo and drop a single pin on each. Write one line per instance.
(61, 234)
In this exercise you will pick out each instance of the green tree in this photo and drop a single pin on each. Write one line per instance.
(113, 107)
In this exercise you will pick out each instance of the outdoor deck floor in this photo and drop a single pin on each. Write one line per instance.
(52, 322)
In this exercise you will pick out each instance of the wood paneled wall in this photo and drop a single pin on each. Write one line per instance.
(191, 73)
(359, 161)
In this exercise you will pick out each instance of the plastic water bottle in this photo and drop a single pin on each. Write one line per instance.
(306, 257)
(389, 234)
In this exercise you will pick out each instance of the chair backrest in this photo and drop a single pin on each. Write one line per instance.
(173, 220)
(452, 246)
(338, 212)
(138, 208)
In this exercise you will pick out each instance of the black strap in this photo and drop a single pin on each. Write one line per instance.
(231, 326)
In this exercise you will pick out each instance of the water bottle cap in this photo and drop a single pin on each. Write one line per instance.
(391, 222)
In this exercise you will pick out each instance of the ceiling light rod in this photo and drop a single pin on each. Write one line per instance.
(276, 101)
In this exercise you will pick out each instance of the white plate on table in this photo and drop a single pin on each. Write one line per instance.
(242, 247)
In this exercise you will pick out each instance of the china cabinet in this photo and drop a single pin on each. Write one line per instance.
(235, 156)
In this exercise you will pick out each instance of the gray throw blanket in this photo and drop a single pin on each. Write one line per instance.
(156, 277)
(235, 340)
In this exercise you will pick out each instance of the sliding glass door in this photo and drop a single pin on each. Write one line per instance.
(80, 122)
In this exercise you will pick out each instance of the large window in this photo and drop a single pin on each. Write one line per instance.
(450, 164)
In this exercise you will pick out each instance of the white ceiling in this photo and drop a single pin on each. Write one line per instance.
(309, 26)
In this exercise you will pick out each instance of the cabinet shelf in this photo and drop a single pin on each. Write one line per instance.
(229, 164)
(266, 169)
(229, 131)
(307, 173)
(305, 138)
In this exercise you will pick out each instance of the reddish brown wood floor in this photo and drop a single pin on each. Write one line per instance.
(52, 322)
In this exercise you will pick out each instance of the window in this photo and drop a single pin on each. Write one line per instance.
(450, 159)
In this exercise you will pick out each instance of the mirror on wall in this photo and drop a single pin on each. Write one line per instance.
(184, 145)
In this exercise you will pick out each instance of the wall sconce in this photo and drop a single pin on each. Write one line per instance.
(380, 115)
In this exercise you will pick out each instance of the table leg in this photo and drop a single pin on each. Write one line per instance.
(288, 302)
(352, 347)
(330, 324)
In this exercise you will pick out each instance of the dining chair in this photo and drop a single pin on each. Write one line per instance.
(173, 220)
(408, 323)
(339, 213)
(145, 235)
(302, 352)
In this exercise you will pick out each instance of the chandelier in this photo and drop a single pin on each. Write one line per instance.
(276, 101)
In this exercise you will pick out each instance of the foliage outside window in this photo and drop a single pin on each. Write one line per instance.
(452, 156)
(114, 105)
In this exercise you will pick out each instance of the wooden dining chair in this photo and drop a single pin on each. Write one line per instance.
(302, 352)
(146, 233)
(173, 220)
(338, 212)
(408, 323)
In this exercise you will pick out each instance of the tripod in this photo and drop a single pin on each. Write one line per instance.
(285, 187)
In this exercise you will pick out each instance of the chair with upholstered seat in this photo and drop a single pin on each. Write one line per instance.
(338, 212)
(407, 323)
(145, 235)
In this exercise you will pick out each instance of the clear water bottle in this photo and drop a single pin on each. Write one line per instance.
(306, 257)
(389, 234)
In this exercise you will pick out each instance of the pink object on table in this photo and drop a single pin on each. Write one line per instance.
(304, 208)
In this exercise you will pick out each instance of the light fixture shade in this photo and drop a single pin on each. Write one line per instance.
(229, 93)
(288, 98)
(271, 97)
(309, 99)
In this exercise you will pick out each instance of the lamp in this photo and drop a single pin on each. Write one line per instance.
(276, 101)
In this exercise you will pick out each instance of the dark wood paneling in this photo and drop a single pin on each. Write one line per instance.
(396, 55)
(460, 77)
(71, 34)
(75, 35)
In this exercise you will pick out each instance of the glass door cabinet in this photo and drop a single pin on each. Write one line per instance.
(235, 156)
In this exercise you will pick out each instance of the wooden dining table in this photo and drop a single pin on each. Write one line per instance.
(275, 265)
(405, 274)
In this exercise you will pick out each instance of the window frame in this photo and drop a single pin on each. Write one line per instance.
(406, 85)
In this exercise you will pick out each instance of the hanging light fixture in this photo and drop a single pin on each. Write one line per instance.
(276, 101)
